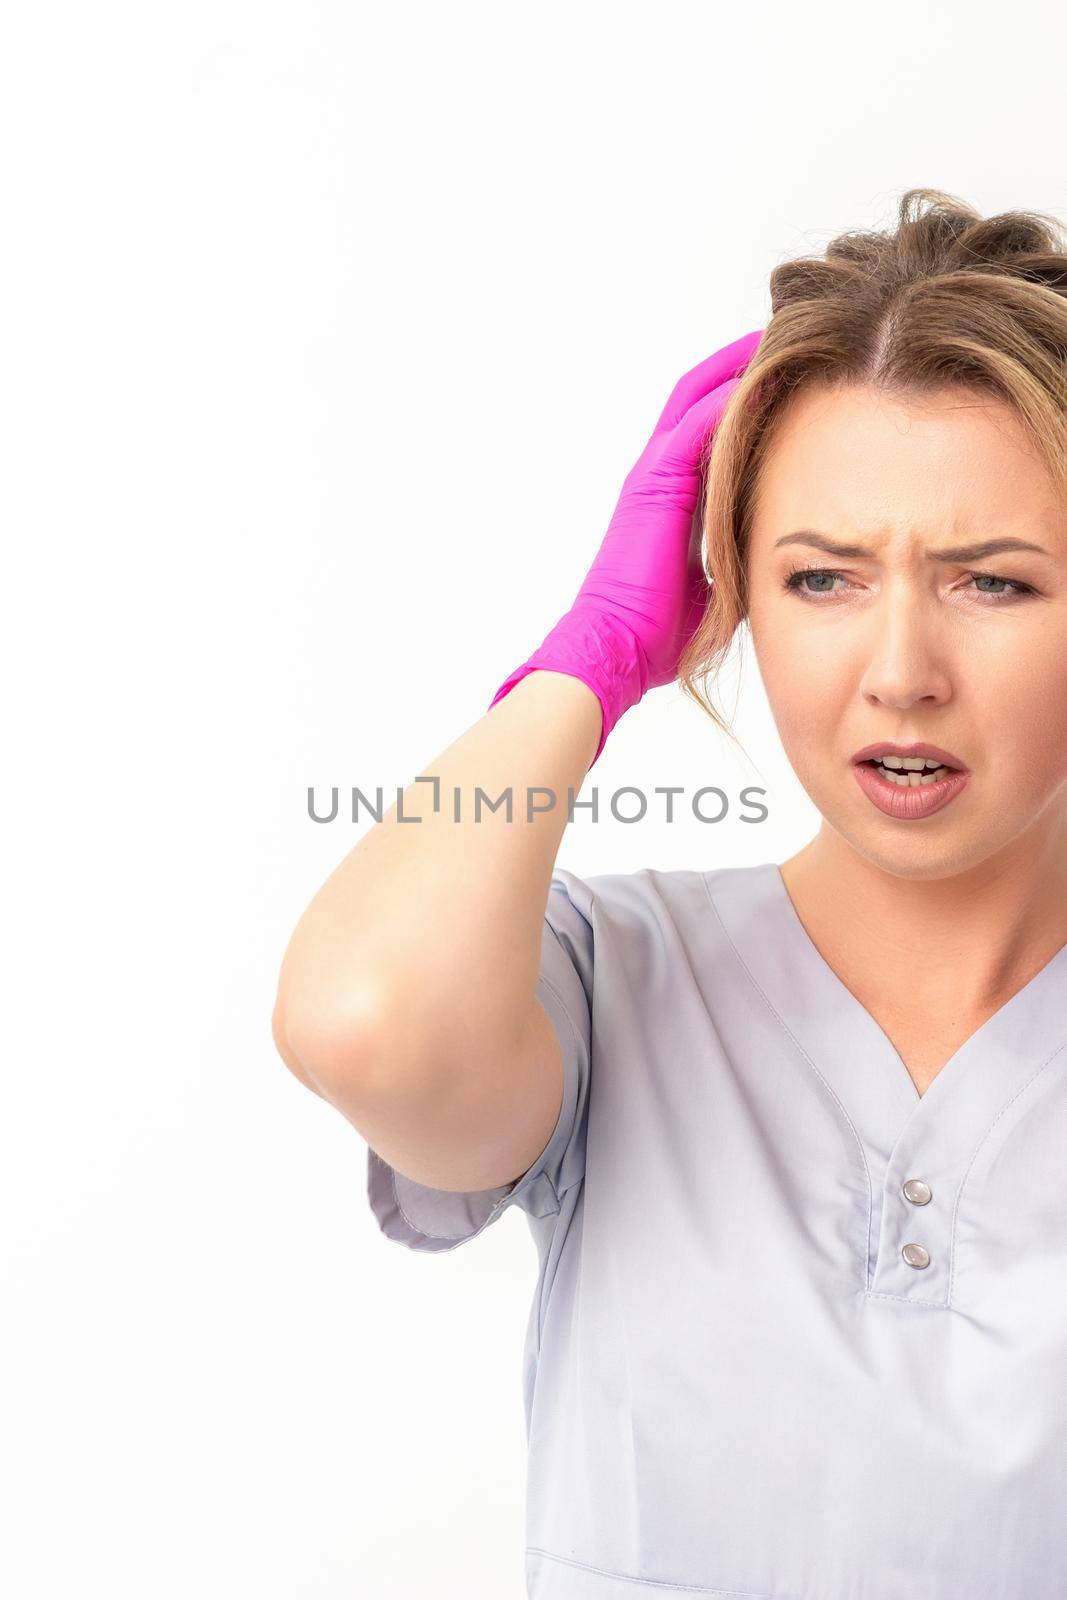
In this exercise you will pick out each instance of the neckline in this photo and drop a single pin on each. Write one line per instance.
(849, 1052)
(828, 1049)
(996, 1023)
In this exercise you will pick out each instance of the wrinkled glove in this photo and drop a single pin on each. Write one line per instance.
(643, 597)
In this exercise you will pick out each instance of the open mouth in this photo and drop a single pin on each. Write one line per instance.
(909, 775)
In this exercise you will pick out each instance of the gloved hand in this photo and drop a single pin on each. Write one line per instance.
(643, 597)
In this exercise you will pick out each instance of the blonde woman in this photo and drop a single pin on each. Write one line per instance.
(791, 1138)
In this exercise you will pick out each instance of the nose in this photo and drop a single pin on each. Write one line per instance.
(903, 647)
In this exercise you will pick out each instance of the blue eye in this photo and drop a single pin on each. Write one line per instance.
(1017, 588)
(1014, 589)
(798, 574)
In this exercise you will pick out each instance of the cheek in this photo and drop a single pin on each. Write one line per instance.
(806, 672)
(1021, 701)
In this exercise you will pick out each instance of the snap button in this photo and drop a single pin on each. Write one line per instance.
(916, 1255)
(918, 1192)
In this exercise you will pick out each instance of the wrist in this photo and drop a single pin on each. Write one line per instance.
(602, 651)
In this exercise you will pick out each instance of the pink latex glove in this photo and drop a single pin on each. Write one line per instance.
(643, 597)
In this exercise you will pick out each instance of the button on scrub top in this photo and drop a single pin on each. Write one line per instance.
(798, 1331)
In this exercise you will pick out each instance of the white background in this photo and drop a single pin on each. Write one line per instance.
(329, 334)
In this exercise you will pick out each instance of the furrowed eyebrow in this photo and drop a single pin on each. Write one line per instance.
(958, 552)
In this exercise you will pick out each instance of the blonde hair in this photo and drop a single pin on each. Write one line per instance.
(948, 298)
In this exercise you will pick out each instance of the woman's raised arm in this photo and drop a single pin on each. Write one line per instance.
(407, 994)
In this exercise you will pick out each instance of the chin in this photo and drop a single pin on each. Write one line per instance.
(941, 846)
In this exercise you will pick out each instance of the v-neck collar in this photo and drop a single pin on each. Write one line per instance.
(902, 1133)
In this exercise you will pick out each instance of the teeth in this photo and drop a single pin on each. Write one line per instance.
(909, 763)
(911, 779)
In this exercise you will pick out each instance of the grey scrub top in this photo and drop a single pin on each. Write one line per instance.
(799, 1331)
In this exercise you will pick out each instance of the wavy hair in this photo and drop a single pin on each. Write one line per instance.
(948, 298)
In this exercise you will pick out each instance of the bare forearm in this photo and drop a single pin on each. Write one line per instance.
(426, 938)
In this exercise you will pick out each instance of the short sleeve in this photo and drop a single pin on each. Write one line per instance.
(440, 1219)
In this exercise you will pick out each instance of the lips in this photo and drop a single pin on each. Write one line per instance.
(907, 802)
(927, 752)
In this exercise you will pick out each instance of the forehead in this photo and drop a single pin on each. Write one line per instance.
(856, 459)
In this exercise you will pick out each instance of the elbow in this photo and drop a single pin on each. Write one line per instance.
(328, 1048)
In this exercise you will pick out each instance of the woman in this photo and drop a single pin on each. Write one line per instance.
(792, 1140)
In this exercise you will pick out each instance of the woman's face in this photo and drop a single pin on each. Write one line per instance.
(887, 641)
